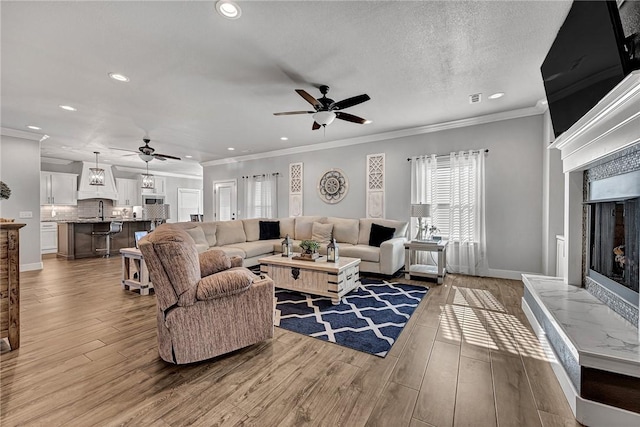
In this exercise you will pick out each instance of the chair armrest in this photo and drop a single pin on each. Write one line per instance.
(224, 284)
(236, 261)
(392, 255)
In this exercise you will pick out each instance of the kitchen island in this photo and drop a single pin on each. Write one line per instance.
(75, 238)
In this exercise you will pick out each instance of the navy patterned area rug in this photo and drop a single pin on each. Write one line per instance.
(369, 318)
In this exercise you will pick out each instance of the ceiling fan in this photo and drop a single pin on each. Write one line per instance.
(147, 153)
(326, 109)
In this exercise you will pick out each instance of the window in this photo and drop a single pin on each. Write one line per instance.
(261, 196)
(454, 188)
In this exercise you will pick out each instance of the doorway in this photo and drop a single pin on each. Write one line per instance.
(225, 200)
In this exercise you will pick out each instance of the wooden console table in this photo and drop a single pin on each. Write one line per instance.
(132, 260)
(10, 282)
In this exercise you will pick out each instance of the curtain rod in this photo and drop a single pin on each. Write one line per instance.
(262, 174)
(486, 150)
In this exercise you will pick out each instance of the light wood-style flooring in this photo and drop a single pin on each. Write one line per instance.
(88, 357)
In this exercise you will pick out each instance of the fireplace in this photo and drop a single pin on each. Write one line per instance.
(614, 238)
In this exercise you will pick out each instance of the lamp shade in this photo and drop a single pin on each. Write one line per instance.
(420, 210)
(156, 212)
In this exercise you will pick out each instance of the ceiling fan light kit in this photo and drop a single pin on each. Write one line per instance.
(327, 110)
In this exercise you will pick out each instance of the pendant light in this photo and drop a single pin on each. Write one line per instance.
(147, 179)
(96, 175)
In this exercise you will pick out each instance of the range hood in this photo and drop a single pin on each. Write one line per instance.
(106, 191)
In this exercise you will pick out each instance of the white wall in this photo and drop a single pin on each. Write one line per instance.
(20, 170)
(513, 183)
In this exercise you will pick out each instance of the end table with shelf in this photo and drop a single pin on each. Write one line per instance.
(411, 268)
(132, 260)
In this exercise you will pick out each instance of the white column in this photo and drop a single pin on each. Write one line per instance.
(573, 198)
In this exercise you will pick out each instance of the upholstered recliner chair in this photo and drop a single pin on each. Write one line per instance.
(207, 304)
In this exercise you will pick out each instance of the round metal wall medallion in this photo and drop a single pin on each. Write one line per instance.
(333, 186)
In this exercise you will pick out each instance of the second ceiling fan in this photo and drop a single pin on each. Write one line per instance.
(326, 109)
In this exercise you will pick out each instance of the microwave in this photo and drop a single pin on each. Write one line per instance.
(152, 200)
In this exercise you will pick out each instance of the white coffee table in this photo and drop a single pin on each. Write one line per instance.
(329, 279)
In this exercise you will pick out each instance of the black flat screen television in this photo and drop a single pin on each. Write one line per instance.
(588, 58)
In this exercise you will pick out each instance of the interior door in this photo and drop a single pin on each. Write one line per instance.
(189, 203)
(225, 196)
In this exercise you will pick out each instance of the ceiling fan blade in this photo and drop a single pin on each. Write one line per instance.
(315, 126)
(349, 117)
(289, 113)
(122, 149)
(165, 157)
(310, 99)
(349, 102)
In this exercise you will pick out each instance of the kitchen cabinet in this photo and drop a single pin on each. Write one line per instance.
(159, 186)
(58, 188)
(48, 237)
(128, 194)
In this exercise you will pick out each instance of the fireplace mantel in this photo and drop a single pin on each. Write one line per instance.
(610, 126)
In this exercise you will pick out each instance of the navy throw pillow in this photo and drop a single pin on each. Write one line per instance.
(269, 230)
(379, 234)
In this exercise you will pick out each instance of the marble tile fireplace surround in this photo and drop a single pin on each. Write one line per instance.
(592, 336)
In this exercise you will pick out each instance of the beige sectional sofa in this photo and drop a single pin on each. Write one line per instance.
(242, 238)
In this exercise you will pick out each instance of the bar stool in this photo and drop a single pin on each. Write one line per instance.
(115, 227)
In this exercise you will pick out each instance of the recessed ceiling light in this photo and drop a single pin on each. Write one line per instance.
(119, 77)
(228, 9)
(230, 148)
(496, 95)
(34, 127)
(188, 156)
(366, 122)
(64, 147)
(68, 107)
(284, 138)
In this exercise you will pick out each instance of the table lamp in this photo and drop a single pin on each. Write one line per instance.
(420, 210)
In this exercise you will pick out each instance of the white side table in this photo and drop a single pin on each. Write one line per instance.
(422, 270)
(132, 260)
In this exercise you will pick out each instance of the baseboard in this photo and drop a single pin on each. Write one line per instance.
(587, 412)
(505, 274)
(31, 267)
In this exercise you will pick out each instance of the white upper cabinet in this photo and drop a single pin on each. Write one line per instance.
(128, 194)
(159, 186)
(58, 188)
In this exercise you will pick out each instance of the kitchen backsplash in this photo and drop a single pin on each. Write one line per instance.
(88, 208)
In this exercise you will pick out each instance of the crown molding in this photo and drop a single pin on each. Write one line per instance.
(455, 124)
(21, 134)
(159, 173)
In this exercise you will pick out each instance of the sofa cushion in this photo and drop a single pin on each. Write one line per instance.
(197, 234)
(379, 234)
(321, 233)
(303, 226)
(365, 228)
(177, 252)
(364, 252)
(252, 249)
(252, 228)
(224, 284)
(230, 232)
(209, 229)
(213, 261)
(232, 252)
(269, 230)
(287, 226)
(345, 230)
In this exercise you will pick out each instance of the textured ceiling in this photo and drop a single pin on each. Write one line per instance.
(201, 83)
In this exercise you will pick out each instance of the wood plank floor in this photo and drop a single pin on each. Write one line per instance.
(88, 357)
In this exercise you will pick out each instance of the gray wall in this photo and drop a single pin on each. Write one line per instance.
(20, 170)
(513, 183)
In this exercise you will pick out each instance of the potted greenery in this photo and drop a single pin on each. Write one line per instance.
(310, 248)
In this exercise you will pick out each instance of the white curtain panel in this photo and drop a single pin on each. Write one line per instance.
(261, 196)
(423, 190)
(466, 252)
